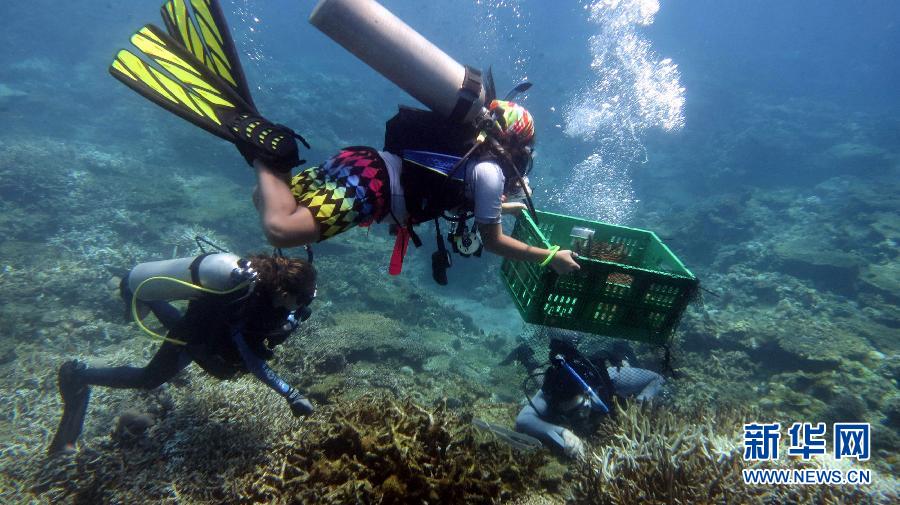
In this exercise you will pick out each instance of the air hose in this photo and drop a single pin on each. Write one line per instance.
(153, 334)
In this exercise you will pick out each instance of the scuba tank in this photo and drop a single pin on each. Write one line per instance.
(434, 145)
(393, 49)
(184, 279)
(179, 279)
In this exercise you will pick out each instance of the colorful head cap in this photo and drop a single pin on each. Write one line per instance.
(516, 124)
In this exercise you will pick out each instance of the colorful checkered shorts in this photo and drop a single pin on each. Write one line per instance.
(350, 189)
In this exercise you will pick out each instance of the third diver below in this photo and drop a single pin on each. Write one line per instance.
(576, 393)
(431, 165)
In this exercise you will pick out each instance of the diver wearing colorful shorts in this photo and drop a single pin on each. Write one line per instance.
(239, 311)
(576, 394)
(467, 157)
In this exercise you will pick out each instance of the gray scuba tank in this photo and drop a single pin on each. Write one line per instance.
(392, 48)
(218, 271)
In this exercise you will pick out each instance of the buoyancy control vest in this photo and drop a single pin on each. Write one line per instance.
(219, 287)
(430, 146)
(433, 177)
(209, 322)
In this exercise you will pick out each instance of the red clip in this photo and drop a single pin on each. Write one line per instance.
(400, 247)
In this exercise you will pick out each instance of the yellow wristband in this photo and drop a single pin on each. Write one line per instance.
(549, 258)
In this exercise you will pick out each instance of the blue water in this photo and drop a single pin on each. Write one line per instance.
(733, 59)
(760, 139)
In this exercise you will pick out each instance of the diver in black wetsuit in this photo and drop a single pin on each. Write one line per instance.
(576, 392)
(241, 311)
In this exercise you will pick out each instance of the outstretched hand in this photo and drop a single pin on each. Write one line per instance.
(574, 447)
(564, 262)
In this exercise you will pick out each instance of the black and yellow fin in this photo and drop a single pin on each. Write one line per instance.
(211, 44)
(182, 84)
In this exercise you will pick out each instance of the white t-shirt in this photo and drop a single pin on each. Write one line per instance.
(484, 186)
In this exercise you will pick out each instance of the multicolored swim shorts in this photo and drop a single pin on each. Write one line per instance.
(350, 189)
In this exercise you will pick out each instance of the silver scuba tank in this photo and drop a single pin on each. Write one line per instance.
(218, 271)
(393, 49)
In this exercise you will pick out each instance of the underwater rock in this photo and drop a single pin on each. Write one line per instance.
(372, 337)
(845, 408)
(495, 342)
(131, 426)
(810, 258)
(322, 389)
(884, 277)
(795, 352)
(888, 449)
(454, 403)
(112, 284)
(892, 414)
(332, 363)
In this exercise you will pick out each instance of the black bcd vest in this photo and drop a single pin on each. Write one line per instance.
(428, 191)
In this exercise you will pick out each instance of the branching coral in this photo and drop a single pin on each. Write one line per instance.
(205, 448)
(377, 450)
(653, 455)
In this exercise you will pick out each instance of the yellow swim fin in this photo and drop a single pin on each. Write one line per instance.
(193, 73)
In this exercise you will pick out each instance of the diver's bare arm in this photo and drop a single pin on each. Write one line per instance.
(498, 243)
(286, 224)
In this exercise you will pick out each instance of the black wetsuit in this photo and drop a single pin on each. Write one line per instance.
(225, 336)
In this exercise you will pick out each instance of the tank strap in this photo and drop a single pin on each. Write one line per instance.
(405, 233)
(469, 92)
(195, 268)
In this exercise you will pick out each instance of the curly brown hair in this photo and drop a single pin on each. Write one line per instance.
(282, 276)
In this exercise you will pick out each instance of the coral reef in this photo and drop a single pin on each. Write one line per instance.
(655, 455)
(787, 211)
(370, 450)
(376, 450)
(799, 319)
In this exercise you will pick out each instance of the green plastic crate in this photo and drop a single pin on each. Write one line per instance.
(638, 293)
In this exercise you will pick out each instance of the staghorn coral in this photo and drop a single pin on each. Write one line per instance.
(651, 454)
(377, 450)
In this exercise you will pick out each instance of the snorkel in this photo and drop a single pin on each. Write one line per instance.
(526, 191)
(596, 402)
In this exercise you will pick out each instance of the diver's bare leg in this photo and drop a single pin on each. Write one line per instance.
(286, 224)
